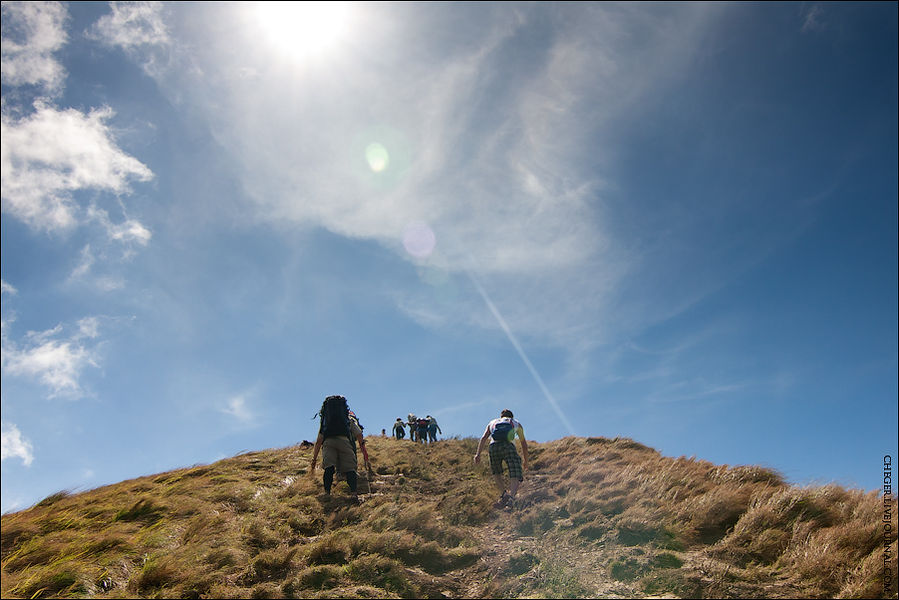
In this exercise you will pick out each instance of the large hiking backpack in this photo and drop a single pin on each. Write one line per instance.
(504, 431)
(334, 417)
(422, 423)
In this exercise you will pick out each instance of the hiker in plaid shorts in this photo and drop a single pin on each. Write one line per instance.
(501, 433)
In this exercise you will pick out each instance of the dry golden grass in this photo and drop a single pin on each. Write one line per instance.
(595, 517)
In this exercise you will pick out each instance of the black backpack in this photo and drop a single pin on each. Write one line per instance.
(503, 431)
(334, 418)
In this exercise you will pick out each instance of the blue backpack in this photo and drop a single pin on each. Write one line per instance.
(503, 431)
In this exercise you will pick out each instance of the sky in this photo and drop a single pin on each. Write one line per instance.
(672, 222)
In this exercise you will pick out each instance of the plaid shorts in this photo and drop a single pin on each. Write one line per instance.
(505, 451)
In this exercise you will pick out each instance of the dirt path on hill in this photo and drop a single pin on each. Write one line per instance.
(558, 564)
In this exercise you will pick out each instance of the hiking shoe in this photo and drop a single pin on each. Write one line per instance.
(503, 501)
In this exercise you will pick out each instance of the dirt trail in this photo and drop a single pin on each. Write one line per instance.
(554, 558)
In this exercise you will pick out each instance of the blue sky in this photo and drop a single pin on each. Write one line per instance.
(670, 222)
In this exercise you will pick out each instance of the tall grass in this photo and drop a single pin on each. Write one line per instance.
(255, 525)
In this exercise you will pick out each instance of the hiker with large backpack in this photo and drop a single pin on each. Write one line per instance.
(501, 433)
(399, 429)
(339, 430)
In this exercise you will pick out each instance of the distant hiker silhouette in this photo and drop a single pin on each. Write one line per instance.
(421, 430)
(412, 420)
(399, 429)
(339, 430)
(501, 432)
(433, 428)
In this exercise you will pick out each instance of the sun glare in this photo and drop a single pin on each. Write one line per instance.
(303, 29)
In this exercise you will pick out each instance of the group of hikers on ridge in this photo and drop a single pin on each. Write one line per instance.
(421, 429)
(340, 430)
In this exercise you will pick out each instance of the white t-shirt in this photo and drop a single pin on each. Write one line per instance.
(492, 427)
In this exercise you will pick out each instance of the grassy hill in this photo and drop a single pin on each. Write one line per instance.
(596, 517)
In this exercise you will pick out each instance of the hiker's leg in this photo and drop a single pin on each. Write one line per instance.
(496, 466)
(328, 479)
(516, 474)
(351, 480)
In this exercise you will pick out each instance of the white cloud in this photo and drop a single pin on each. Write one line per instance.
(32, 32)
(139, 29)
(8, 289)
(237, 408)
(812, 18)
(131, 231)
(131, 25)
(51, 358)
(109, 284)
(13, 444)
(85, 264)
(52, 153)
(89, 327)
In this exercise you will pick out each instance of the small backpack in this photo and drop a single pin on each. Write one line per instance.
(503, 431)
(422, 423)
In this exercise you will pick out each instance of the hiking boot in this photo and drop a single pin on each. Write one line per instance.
(503, 501)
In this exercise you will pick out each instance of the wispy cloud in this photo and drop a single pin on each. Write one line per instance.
(52, 153)
(14, 445)
(238, 408)
(697, 389)
(139, 29)
(492, 148)
(7, 288)
(32, 33)
(132, 24)
(812, 18)
(52, 357)
(84, 264)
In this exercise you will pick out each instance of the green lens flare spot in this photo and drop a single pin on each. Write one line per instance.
(377, 157)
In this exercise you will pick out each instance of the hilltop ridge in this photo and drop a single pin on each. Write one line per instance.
(596, 517)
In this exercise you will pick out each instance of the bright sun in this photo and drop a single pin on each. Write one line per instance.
(303, 29)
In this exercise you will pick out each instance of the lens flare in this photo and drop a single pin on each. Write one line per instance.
(377, 156)
(419, 240)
